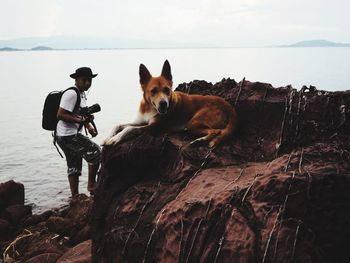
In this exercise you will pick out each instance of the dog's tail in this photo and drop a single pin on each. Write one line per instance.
(228, 131)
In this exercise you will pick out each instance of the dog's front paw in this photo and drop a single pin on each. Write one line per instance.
(112, 140)
(117, 129)
(105, 141)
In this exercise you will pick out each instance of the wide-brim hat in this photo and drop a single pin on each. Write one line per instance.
(83, 72)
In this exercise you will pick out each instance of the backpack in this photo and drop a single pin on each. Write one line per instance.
(51, 105)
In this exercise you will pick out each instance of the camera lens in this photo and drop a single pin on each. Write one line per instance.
(94, 108)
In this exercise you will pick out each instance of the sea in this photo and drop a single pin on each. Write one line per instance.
(27, 154)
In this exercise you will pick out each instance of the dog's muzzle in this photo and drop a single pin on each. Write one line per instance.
(162, 107)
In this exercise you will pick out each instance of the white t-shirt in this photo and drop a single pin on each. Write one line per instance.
(68, 101)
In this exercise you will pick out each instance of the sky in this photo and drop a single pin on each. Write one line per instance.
(205, 22)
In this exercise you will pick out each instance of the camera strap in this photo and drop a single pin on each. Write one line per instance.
(81, 125)
(55, 143)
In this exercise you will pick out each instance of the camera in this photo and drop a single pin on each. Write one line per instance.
(86, 111)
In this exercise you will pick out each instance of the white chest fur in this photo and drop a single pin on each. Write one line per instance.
(145, 118)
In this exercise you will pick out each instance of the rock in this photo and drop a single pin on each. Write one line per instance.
(276, 192)
(79, 209)
(73, 220)
(35, 219)
(82, 235)
(11, 193)
(33, 246)
(46, 257)
(4, 228)
(45, 237)
(59, 225)
(16, 213)
(81, 253)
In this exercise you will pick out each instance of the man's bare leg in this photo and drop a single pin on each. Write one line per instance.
(92, 170)
(74, 184)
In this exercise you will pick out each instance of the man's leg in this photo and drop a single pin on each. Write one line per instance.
(91, 152)
(74, 164)
(93, 168)
(74, 184)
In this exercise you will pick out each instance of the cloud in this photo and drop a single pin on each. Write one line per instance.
(204, 21)
(216, 22)
(26, 18)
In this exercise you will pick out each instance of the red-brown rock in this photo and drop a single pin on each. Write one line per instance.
(31, 245)
(46, 257)
(73, 222)
(35, 219)
(45, 237)
(16, 213)
(59, 225)
(4, 228)
(278, 191)
(82, 235)
(81, 253)
(11, 193)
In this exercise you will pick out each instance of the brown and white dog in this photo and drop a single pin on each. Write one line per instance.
(210, 117)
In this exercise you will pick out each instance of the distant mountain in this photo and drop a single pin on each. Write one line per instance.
(62, 42)
(8, 49)
(318, 43)
(65, 43)
(41, 48)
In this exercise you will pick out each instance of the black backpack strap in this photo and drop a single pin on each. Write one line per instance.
(77, 104)
(55, 143)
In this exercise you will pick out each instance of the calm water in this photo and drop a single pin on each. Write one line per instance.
(27, 154)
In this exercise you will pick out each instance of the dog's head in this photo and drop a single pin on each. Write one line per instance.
(157, 90)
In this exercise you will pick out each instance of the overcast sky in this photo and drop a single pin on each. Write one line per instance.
(213, 22)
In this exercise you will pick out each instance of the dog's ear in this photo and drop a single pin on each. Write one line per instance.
(145, 76)
(166, 71)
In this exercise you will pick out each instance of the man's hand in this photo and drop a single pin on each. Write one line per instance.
(88, 119)
(91, 130)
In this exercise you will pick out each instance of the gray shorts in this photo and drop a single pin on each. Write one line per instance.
(77, 147)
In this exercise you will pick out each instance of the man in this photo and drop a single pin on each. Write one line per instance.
(74, 144)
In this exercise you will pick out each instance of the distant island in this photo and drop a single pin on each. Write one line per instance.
(8, 49)
(317, 43)
(38, 48)
(41, 48)
(78, 43)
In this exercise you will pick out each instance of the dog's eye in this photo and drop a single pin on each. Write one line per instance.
(166, 90)
(154, 91)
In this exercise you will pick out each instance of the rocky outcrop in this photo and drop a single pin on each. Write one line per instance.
(12, 208)
(278, 191)
(81, 253)
(61, 235)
